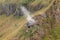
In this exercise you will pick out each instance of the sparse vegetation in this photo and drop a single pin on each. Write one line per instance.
(12, 21)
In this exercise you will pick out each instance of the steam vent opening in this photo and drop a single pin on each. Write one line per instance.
(29, 19)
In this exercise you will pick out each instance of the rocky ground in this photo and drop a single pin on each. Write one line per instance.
(47, 26)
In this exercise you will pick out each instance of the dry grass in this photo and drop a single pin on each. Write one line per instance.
(12, 28)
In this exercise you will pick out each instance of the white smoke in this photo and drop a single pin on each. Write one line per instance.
(27, 15)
